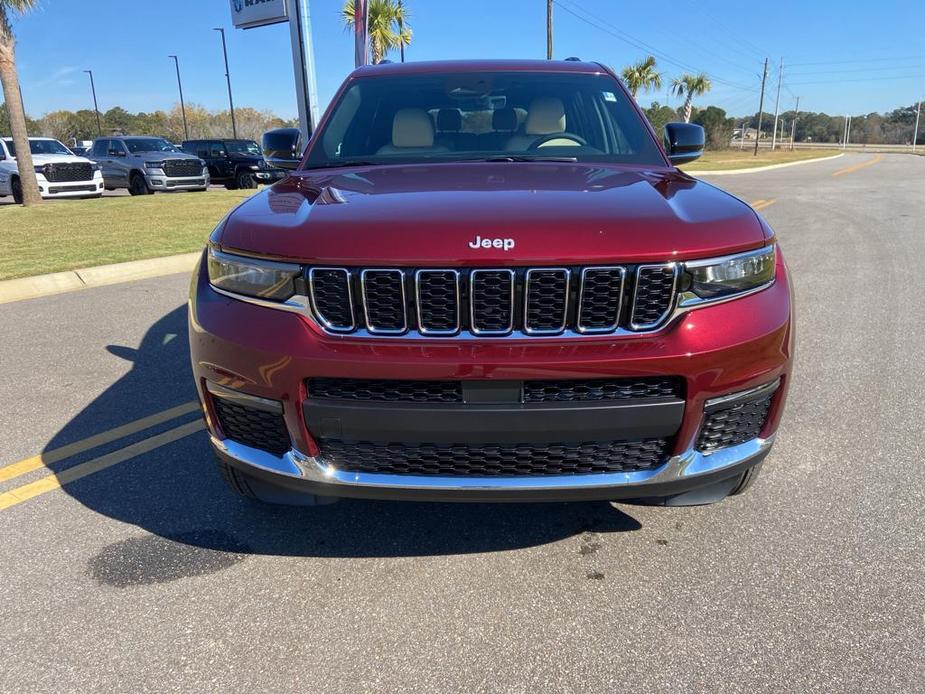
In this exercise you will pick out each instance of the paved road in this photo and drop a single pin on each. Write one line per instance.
(148, 576)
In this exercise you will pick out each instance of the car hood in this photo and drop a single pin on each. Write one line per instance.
(42, 159)
(161, 156)
(549, 213)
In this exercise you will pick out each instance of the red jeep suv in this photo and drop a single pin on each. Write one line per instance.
(488, 281)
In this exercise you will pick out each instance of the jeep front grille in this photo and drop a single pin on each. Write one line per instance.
(490, 302)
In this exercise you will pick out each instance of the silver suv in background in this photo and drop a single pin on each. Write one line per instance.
(145, 164)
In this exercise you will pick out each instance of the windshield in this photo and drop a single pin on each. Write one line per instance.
(248, 147)
(148, 144)
(466, 116)
(41, 147)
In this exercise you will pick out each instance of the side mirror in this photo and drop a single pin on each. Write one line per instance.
(684, 142)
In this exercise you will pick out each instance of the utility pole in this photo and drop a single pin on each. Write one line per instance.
(548, 29)
(176, 61)
(401, 29)
(96, 108)
(780, 79)
(918, 113)
(764, 79)
(234, 125)
(793, 126)
(742, 135)
(848, 133)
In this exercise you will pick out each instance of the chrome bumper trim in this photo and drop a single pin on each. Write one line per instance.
(687, 465)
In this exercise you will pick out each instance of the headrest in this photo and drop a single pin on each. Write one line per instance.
(546, 116)
(449, 120)
(412, 127)
(504, 119)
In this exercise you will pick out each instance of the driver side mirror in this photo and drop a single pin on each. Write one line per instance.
(684, 142)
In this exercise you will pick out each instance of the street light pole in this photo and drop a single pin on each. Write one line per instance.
(96, 108)
(234, 126)
(176, 61)
(793, 126)
(548, 29)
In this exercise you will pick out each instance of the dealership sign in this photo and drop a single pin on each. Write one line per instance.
(247, 14)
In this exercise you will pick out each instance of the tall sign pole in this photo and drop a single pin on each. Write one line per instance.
(918, 113)
(361, 32)
(303, 65)
(96, 108)
(548, 29)
(234, 125)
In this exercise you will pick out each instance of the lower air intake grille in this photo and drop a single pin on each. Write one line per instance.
(602, 389)
(382, 390)
(733, 425)
(252, 426)
(516, 460)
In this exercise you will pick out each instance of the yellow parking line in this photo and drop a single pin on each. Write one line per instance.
(52, 482)
(761, 204)
(858, 167)
(57, 454)
(755, 203)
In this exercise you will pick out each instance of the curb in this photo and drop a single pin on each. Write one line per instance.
(100, 276)
(756, 169)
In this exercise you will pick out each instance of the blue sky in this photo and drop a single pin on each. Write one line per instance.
(840, 57)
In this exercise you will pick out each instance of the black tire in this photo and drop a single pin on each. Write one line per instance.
(747, 480)
(230, 185)
(244, 180)
(16, 187)
(138, 186)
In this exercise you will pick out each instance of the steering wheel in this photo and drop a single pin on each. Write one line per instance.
(577, 139)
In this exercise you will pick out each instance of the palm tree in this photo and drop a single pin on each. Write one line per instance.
(27, 184)
(388, 25)
(690, 86)
(642, 75)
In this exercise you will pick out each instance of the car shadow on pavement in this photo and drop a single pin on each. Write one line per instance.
(176, 492)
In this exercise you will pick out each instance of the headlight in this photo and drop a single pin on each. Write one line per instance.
(263, 279)
(719, 278)
(154, 165)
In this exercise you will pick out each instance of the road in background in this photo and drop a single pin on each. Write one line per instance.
(149, 576)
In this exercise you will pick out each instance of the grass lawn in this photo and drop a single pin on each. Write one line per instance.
(745, 159)
(70, 234)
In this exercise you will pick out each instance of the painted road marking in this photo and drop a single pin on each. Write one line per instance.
(761, 204)
(52, 482)
(58, 454)
(858, 167)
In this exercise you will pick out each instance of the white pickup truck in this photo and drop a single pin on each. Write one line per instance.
(60, 173)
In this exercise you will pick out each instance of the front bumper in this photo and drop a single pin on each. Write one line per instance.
(716, 350)
(51, 190)
(158, 181)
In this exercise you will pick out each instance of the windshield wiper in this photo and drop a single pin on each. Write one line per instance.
(521, 157)
(340, 164)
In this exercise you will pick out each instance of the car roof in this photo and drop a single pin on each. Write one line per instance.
(434, 66)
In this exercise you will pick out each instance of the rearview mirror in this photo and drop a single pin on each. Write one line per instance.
(684, 142)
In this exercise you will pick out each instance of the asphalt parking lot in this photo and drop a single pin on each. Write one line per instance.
(128, 567)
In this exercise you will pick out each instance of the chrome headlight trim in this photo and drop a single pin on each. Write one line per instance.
(689, 298)
(272, 281)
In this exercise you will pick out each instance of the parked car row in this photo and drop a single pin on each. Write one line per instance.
(140, 164)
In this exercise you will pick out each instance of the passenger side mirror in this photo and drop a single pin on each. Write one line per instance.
(684, 142)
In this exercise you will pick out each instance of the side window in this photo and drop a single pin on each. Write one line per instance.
(202, 150)
(101, 148)
(217, 150)
(116, 146)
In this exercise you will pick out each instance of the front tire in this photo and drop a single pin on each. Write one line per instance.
(138, 186)
(244, 180)
(16, 187)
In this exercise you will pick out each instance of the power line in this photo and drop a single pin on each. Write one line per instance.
(862, 79)
(603, 25)
(860, 69)
(859, 60)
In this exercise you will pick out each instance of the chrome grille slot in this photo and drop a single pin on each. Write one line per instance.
(491, 301)
(384, 301)
(546, 303)
(437, 293)
(600, 299)
(332, 298)
(653, 298)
